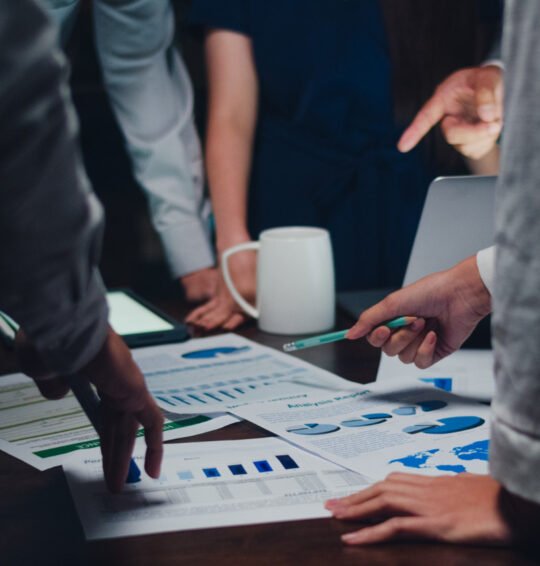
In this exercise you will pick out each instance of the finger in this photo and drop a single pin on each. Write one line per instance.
(415, 479)
(386, 505)
(396, 481)
(379, 336)
(403, 338)
(397, 528)
(408, 354)
(477, 150)
(390, 307)
(152, 421)
(426, 352)
(428, 116)
(359, 497)
(106, 438)
(124, 431)
(54, 388)
(201, 311)
(236, 320)
(458, 131)
(488, 93)
(215, 319)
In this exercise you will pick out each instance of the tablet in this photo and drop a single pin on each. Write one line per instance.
(141, 324)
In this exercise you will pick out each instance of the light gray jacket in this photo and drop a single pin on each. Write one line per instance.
(515, 448)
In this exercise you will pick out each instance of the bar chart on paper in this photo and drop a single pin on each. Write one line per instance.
(210, 484)
(213, 374)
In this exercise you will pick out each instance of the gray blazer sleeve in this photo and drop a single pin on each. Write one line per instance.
(50, 221)
(515, 448)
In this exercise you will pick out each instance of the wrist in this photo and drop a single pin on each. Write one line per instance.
(226, 241)
(471, 288)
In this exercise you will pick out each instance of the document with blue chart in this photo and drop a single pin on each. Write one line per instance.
(209, 484)
(466, 372)
(381, 429)
(220, 372)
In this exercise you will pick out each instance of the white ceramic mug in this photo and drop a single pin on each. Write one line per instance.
(295, 280)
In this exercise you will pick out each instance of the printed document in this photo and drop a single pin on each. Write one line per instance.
(209, 484)
(465, 372)
(221, 372)
(413, 429)
(41, 432)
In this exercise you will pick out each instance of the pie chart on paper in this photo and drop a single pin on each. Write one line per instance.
(446, 425)
(313, 429)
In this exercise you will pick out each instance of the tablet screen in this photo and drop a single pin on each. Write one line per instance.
(127, 316)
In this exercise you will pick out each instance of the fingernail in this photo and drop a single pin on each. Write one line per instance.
(404, 144)
(486, 111)
(351, 537)
(494, 128)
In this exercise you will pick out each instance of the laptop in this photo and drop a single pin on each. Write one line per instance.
(457, 220)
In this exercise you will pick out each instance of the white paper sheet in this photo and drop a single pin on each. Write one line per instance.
(220, 372)
(414, 429)
(465, 372)
(41, 432)
(210, 484)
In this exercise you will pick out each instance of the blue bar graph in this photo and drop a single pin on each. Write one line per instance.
(211, 472)
(287, 462)
(263, 466)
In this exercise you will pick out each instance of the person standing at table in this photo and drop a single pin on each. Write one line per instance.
(152, 98)
(503, 507)
(51, 225)
(307, 99)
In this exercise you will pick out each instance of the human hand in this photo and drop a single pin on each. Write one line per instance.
(125, 404)
(469, 105)
(449, 305)
(464, 508)
(222, 311)
(200, 285)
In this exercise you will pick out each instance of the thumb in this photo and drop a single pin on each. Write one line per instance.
(488, 93)
(390, 307)
(54, 388)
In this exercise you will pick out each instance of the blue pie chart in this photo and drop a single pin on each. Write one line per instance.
(367, 420)
(454, 424)
(214, 352)
(313, 429)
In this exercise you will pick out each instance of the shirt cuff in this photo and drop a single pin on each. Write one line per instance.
(494, 63)
(193, 245)
(485, 260)
(514, 460)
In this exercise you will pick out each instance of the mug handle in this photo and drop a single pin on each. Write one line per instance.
(228, 279)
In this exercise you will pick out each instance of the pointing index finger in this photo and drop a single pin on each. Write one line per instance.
(428, 116)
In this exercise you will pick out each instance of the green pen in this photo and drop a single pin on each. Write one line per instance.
(399, 322)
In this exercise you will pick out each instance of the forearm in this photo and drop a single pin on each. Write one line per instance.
(228, 161)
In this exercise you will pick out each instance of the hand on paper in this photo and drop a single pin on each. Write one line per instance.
(449, 305)
(126, 404)
(465, 508)
(469, 106)
(222, 311)
(200, 285)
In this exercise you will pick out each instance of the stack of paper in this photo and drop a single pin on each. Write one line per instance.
(344, 435)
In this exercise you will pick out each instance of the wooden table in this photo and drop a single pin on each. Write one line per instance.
(39, 524)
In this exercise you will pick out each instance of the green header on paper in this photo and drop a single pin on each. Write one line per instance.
(171, 425)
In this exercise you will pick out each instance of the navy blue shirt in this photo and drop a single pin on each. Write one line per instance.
(325, 147)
